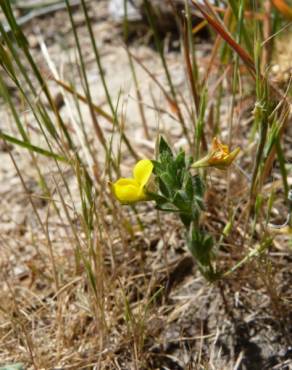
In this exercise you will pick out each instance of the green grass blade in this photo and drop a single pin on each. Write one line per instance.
(33, 148)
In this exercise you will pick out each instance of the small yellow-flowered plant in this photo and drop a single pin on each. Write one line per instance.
(131, 190)
(219, 156)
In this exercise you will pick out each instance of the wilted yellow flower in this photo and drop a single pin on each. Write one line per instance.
(219, 156)
(285, 230)
(131, 190)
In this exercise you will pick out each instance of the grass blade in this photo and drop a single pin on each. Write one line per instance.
(27, 145)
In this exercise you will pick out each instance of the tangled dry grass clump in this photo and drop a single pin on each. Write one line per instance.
(88, 283)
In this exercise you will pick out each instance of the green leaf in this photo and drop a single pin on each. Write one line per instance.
(200, 245)
(168, 207)
(158, 167)
(185, 219)
(182, 202)
(165, 159)
(180, 161)
(169, 183)
(159, 199)
(188, 185)
(163, 188)
(198, 186)
(164, 147)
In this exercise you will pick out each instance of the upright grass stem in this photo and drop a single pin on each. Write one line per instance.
(151, 20)
(261, 116)
(134, 75)
(96, 125)
(101, 72)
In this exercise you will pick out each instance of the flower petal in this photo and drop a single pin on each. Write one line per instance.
(127, 191)
(231, 156)
(142, 172)
(219, 157)
(215, 144)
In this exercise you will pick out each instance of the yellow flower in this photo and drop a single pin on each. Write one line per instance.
(219, 156)
(132, 190)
